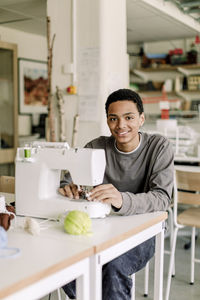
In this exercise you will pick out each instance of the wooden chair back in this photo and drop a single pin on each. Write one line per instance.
(7, 184)
(188, 185)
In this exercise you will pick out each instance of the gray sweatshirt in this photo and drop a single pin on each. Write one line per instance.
(144, 177)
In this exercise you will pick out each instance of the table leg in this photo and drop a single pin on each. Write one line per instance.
(158, 273)
(95, 278)
(82, 284)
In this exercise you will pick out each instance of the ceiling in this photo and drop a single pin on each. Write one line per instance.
(189, 7)
(25, 15)
(147, 20)
(157, 20)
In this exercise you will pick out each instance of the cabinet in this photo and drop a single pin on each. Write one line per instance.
(8, 102)
(183, 94)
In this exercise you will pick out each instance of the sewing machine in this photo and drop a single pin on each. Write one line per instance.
(37, 179)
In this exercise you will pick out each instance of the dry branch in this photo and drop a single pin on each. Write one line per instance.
(59, 96)
(75, 130)
(51, 123)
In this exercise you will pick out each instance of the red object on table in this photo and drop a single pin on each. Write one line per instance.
(165, 114)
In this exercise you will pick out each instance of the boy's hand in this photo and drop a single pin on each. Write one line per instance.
(106, 193)
(70, 190)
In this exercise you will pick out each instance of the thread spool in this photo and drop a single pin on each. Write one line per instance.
(27, 152)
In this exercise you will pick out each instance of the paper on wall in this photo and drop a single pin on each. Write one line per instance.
(89, 71)
(88, 108)
(89, 83)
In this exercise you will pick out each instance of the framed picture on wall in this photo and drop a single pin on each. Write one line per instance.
(33, 84)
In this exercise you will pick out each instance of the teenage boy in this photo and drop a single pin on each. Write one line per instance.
(138, 179)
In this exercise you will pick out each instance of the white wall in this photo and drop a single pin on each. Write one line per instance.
(100, 26)
(101, 32)
(115, 62)
(29, 45)
(61, 25)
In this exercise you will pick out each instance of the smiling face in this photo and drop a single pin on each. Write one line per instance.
(124, 122)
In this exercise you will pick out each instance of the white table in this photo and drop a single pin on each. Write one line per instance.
(53, 258)
(115, 235)
(188, 168)
(45, 263)
(186, 159)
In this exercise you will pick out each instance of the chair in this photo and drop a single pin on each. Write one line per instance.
(186, 193)
(146, 268)
(7, 184)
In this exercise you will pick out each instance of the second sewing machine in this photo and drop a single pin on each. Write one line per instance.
(37, 179)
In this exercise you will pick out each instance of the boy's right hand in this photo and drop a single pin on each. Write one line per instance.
(70, 191)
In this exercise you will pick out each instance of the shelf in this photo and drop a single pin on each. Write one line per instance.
(177, 98)
(7, 155)
(157, 74)
(190, 71)
(159, 69)
(182, 116)
(170, 68)
(183, 113)
(190, 91)
(169, 94)
(164, 72)
(178, 113)
(156, 93)
(189, 95)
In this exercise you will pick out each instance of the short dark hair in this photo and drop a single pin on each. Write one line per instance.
(122, 95)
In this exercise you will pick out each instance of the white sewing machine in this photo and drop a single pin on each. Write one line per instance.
(37, 179)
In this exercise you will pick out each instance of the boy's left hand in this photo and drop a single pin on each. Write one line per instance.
(106, 193)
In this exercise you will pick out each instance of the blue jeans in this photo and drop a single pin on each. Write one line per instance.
(117, 282)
